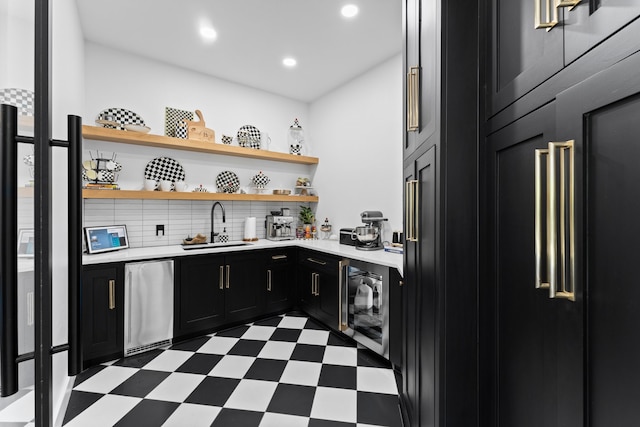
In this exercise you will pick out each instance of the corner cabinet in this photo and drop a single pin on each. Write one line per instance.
(147, 140)
(318, 286)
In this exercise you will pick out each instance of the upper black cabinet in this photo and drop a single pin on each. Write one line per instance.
(522, 57)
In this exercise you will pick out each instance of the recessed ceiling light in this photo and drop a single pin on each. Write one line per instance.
(289, 62)
(208, 33)
(349, 11)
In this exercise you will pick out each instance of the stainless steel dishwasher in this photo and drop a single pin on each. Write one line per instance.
(148, 318)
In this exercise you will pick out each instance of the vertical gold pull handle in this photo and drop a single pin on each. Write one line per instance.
(412, 210)
(557, 211)
(550, 18)
(313, 284)
(222, 277)
(540, 282)
(228, 275)
(269, 280)
(112, 294)
(571, 4)
(413, 99)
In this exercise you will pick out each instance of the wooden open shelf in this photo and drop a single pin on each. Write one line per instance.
(171, 195)
(149, 140)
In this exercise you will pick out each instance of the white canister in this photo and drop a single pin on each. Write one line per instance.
(250, 228)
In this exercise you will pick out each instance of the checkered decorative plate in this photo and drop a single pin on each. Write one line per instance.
(20, 98)
(173, 116)
(121, 116)
(164, 168)
(249, 137)
(227, 182)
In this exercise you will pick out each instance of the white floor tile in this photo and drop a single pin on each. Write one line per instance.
(281, 420)
(107, 379)
(176, 387)
(311, 336)
(252, 395)
(168, 361)
(301, 373)
(106, 412)
(218, 345)
(192, 415)
(20, 411)
(340, 355)
(232, 367)
(260, 333)
(293, 322)
(377, 380)
(278, 350)
(335, 404)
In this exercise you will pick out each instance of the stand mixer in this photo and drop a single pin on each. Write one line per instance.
(369, 236)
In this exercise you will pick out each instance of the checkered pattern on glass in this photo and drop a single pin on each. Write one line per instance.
(172, 116)
(227, 182)
(121, 116)
(249, 137)
(20, 98)
(164, 168)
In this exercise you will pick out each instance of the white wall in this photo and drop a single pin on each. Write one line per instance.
(357, 134)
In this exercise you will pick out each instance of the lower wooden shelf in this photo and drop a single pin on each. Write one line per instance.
(171, 195)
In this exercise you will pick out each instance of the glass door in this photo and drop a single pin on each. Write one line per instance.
(17, 401)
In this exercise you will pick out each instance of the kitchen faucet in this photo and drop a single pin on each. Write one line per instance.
(213, 234)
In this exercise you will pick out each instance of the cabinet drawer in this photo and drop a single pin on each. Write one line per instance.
(318, 261)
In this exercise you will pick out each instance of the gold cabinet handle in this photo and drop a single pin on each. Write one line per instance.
(313, 284)
(315, 261)
(277, 257)
(411, 210)
(413, 99)
(228, 275)
(317, 284)
(557, 210)
(550, 18)
(222, 277)
(269, 280)
(540, 282)
(571, 4)
(112, 294)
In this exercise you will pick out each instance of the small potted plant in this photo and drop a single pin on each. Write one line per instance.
(306, 218)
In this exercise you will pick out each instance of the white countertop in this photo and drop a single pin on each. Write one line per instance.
(332, 247)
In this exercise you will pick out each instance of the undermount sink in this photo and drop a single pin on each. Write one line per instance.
(214, 245)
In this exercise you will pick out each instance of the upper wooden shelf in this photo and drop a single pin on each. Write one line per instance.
(148, 140)
(172, 195)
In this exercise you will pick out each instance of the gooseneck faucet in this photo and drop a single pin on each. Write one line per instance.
(213, 208)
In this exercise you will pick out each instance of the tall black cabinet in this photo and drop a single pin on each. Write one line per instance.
(440, 171)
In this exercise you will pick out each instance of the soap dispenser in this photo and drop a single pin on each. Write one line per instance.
(223, 237)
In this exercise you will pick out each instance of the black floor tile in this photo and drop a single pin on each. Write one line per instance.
(342, 341)
(327, 423)
(338, 377)
(87, 373)
(78, 402)
(139, 360)
(284, 334)
(235, 417)
(148, 413)
(292, 400)
(213, 391)
(266, 370)
(236, 332)
(312, 324)
(271, 321)
(200, 363)
(379, 409)
(191, 345)
(141, 383)
(369, 359)
(308, 353)
(247, 348)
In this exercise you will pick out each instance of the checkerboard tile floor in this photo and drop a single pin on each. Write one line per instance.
(285, 371)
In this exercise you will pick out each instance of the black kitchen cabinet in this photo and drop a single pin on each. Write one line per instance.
(199, 299)
(442, 106)
(280, 274)
(521, 57)
(396, 283)
(319, 286)
(245, 281)
(102, 315)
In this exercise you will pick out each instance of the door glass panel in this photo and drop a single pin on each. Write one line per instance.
(16, 88)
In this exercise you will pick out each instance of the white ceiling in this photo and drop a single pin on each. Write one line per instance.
(253, 38)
